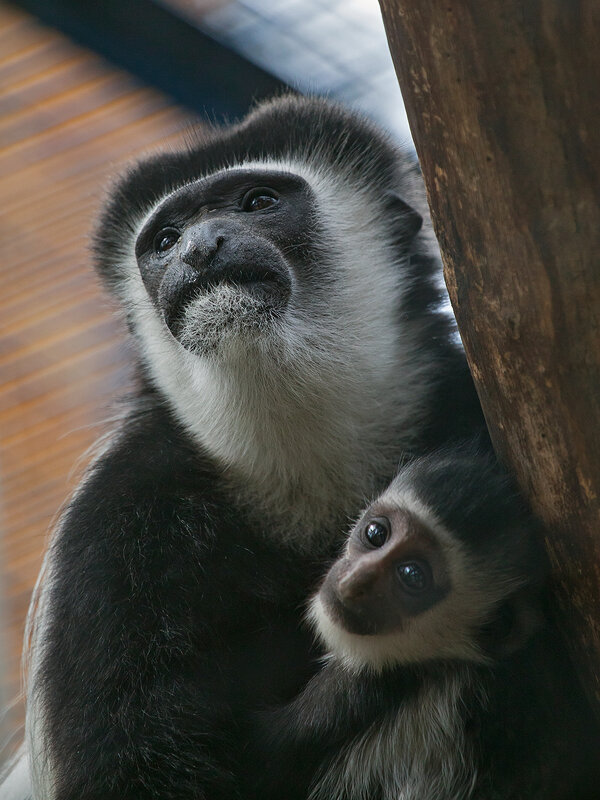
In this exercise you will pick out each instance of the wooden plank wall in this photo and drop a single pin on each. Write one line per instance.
(67, 121)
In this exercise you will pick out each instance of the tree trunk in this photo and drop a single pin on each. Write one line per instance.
(503, 98)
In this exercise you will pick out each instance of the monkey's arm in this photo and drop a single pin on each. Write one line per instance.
(297, 741)
(143, 662)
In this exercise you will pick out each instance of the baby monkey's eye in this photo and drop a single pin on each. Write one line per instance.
(377, 532)
(415, 576)
(259, 198)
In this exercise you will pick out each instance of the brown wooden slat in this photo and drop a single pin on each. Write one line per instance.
(75, 102)
(66, 138)
(70, 73)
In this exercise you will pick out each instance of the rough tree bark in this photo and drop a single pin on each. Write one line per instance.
(503, 99)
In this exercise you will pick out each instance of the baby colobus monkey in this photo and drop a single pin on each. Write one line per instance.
(280, 279)
(443, 679)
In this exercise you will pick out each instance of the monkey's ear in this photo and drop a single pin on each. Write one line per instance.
(515, 622)
(410, 220)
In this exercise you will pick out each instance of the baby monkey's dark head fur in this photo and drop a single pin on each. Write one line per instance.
(446, 564)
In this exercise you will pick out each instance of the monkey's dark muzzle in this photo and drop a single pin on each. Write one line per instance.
(269, 286)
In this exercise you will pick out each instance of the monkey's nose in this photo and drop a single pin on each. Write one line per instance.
(358, 582)
(199, 247)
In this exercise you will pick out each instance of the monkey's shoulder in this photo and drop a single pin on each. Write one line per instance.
(155, 512)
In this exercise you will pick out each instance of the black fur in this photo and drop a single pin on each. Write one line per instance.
(534, 738)
(171, 617)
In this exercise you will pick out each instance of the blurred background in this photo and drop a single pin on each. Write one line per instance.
(85, 86)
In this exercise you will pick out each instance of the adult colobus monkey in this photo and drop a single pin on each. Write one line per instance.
(444, 680)
(284, 297)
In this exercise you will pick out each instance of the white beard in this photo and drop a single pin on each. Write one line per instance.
(223, 318)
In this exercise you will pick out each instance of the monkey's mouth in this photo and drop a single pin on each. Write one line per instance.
(261, 290)
(355, 620)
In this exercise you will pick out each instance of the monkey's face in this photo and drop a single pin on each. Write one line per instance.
(280, 295)
(224, 255)
(266, 300)
(409, 590)
(393, 570)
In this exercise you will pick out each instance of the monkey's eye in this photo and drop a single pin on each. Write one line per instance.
(165, 239)
(415, 576)
(259, 199)
(377, 532)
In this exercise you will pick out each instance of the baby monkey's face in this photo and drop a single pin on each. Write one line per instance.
(393, 570)
(458, 576)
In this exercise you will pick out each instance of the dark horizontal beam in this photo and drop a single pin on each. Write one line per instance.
(163, 50)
